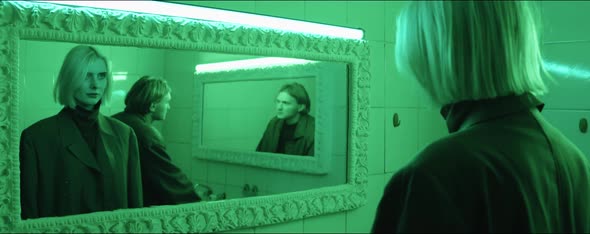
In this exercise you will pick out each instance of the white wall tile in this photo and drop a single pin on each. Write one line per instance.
(150, 62)
(431, 127)
(46, 56)
(180, 62)
(567, 121)
(124, 59)
(400, 90)
(568, 86)
(289, 227)
(561, 20)
(376, 143)
(326, 12)
(216, 173)
(178, 126)
(392, 9)
(243, 6)
(183, 87)
(330, 223)
(236, 175)
(283, 9)
(181, 156)
(200, 170)
(401, 142)
(367, 15)
(259, 177)
(377, 69)
(361, 220)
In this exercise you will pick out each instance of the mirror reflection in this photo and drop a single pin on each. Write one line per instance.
(85, 153)
(274, 116)
(292, 130)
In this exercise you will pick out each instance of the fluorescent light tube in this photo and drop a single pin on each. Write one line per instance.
(248, 64)
(203, 13)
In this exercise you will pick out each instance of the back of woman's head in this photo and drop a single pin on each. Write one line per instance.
(470, 50)
(73, 71)
(144, 92)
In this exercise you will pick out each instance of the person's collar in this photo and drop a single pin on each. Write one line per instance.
(464, 114)
(88, 116)
(144, 117)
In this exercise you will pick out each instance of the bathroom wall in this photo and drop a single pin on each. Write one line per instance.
(568, 100)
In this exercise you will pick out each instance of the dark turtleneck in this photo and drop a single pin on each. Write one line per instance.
(463, 114)
(86, 121)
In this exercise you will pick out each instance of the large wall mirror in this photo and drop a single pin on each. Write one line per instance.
(241, 108)
(218, 118)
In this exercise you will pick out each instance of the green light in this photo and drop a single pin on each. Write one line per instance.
(249, 64)
(202, 13)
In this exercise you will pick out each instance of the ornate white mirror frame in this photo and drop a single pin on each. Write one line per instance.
(41, 21)
(325, 76)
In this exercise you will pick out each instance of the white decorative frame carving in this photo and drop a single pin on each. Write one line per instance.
(42, 21)
(322, 72)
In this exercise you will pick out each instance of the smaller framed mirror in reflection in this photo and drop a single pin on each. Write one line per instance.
(281, 113)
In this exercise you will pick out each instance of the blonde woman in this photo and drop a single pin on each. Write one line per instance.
(79, 161)
(503, 168)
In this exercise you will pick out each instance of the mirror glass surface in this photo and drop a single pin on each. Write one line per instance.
(236, 113)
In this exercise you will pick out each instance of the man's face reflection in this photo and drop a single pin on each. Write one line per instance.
(287, 106)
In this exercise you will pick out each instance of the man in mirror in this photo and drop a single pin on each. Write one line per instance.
(79, 161)
(292, 130)
(164, 183)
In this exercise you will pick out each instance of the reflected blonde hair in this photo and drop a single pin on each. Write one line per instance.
(73, 72)
(470, 50)
(144, 92)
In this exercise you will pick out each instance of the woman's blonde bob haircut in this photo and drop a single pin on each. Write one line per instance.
(470, 50)
(73, 72)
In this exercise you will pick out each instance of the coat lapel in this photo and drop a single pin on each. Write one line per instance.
(304, 126)
(109, 143)
(74, 142)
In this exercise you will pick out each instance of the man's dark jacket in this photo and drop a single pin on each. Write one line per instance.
(302, 143)
(163, 182)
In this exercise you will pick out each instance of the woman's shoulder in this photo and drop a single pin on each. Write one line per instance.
(48, 124)
(452, 151)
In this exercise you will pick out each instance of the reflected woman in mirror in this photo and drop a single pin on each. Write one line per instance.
(292, 130)
(164, 183)
(79, 161)
(503, 167)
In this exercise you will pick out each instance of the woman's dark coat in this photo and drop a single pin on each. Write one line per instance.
(503, 168)
(60, 176)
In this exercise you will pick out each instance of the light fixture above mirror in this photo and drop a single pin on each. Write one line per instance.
(218, 15)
